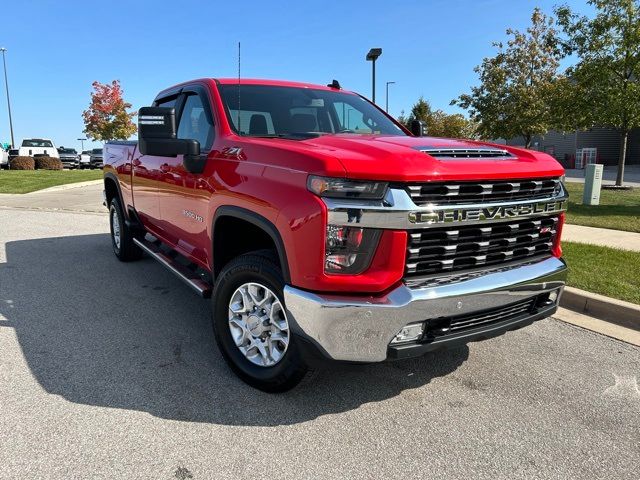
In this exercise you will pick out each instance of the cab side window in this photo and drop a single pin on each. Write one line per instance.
(194, 123)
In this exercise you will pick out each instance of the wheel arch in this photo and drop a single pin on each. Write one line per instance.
(257, 221)
(112, 189)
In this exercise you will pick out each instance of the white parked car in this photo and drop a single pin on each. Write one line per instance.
(31, 147)
(4, 158)
(85, 159)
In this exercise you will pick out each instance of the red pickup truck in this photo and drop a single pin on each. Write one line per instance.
(323, 228)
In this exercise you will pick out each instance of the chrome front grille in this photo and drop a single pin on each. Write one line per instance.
(456, 248)
(467, 153)
(482, 192)
(454, 277)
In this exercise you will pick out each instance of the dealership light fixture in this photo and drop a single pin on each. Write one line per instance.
(372, 56)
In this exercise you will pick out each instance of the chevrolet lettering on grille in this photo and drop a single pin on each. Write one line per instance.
(489, 213)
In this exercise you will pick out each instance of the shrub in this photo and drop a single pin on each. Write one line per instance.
(22, 163)
(48, 163)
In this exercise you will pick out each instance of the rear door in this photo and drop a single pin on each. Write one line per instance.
(146, 179)
(184, 196)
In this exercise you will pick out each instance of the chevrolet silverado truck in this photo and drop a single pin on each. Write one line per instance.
(32, 147)
(323, 228)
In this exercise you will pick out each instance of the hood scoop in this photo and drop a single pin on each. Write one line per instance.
(466, 153)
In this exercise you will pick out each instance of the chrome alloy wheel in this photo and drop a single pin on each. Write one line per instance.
(258, 324)
(115, 225)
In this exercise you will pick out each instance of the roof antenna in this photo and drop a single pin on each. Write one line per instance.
(239, 126)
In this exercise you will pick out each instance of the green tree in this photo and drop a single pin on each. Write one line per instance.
(451, 125)
(516, 86)
(439, 123)
(107, 117)
(421, 110)
(606, 78)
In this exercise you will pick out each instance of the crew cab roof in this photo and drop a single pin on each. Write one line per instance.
(276, 83)
(251, 81)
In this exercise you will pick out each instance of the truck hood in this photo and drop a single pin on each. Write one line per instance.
(406, 159)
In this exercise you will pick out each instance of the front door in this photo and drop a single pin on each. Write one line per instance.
(146, 179)
(184, 196)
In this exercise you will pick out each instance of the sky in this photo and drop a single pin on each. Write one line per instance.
(56, 49)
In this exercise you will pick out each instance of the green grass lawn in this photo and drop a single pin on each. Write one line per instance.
(25, 181)
(607, 271)
(618, 210)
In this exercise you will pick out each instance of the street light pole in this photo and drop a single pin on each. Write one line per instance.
(373, 80)
(386, 109)
(6, 84)
(372, 56)
(81, 140)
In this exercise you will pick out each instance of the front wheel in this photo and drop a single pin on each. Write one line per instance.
(252, 327)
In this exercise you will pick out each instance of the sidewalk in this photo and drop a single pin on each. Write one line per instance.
(631, 175)
(601, 236)
(79, 197)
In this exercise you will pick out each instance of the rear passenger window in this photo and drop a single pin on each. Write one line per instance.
(304, 119)
(194, 123)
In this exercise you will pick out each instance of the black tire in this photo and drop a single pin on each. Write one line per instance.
(127, 251)
(255, 267)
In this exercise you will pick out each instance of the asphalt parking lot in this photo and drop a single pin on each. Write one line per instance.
(109, 370)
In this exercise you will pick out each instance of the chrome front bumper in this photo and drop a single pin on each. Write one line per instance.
(360, 329)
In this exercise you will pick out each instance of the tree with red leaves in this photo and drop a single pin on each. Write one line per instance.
(107, 117)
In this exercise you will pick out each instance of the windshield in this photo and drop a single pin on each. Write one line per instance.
(267, 111)
(66, 150)
(97, 150)
(36, 142)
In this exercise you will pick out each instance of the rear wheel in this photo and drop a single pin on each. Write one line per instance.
(121, 235)
(251, 324)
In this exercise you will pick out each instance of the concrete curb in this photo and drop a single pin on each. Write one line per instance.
(614, 311)
(602, 327)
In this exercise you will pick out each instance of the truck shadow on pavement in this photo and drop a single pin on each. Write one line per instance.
(99, 332)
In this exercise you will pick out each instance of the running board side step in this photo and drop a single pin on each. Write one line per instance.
(187, 275)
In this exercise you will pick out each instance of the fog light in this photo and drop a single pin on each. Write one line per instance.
(409, 333)
(548, 299)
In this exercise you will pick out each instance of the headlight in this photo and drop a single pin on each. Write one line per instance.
(348, 250)
(343, 188)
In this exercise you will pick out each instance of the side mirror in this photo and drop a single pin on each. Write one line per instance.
(157, 137)
(418, 128)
